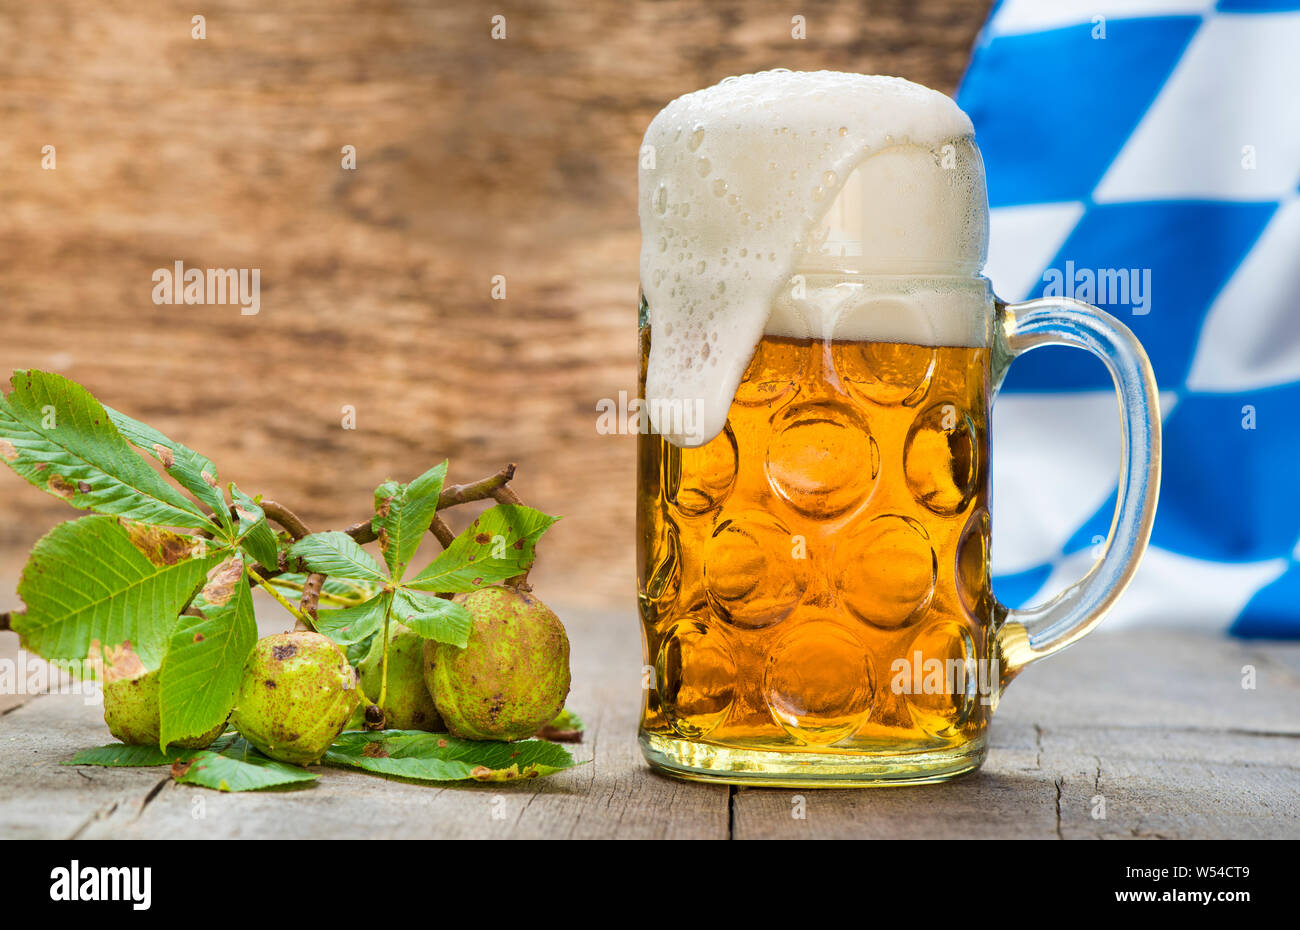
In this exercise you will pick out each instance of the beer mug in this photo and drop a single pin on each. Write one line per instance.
(819, 353)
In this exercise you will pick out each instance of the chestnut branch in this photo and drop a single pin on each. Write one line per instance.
(494, 487)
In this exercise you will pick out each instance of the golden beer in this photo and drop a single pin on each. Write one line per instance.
(819, 352)
(815, 578)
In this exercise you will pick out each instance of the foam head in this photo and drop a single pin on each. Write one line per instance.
(753, 180)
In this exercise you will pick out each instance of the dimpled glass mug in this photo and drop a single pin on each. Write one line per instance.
(819, 354)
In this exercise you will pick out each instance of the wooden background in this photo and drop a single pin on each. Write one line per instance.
(474, 158)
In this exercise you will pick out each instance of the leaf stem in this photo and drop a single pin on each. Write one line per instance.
(325, 596)
(505, 495)
(383, 675)
(270, 589)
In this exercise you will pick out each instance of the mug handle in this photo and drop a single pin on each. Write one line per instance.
(1024, 636)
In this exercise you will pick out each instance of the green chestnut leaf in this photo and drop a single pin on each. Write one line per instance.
(424, 756)
(238, 767)
(192, 471)
(337, 554)
(403, 513)
(100, 579)
(59, 438)
(433, 617)
(498, 545)
(255, 535)
(348, 625)
(206, 654)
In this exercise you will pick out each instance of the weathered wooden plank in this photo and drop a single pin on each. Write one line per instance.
(43, 799)
(1192, 784)
(614, 795)
(1156, 723)
(1160, 678)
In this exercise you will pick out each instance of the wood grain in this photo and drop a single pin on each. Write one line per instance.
(474, 158)
(1203, 761)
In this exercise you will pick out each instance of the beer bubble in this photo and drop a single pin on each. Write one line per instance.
(949, 679)
(702, 167)
(661, 200)
(697, 481)
(697, 136)
(973, 566)
(821, 459)
(695, 695)
(942, 458)
(886, 571)
(749, 579)
(719, 188)
(886, 372)
(665, 575)
(819, 682)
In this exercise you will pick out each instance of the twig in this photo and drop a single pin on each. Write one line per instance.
(456, 494)
(475, 490)
(310, 600)
(297, 529)
(441, 530)
(555, 735)
(286, 518)
(493, 486)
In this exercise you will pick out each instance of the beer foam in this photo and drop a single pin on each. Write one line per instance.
(746, 183)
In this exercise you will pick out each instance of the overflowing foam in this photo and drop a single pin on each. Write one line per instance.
(747, 183)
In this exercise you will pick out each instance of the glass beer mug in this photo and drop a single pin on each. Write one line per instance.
(819, 353)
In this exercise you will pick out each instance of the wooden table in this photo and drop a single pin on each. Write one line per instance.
(1156, 723)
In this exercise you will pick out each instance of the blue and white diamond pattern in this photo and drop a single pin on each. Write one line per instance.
(1159, 139)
